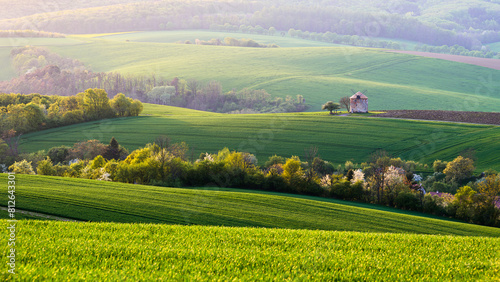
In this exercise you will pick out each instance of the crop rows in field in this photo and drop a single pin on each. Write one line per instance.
(146, 252)
(338, 138)
(468, 117)
(90, 200)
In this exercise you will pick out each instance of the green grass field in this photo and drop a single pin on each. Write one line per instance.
(393, 81)
(338, 138)
(90, 200)
(192, 35)
(146, 252)
(38, 41)
(495, 47)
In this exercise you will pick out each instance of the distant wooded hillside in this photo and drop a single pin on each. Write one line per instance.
(466, 23)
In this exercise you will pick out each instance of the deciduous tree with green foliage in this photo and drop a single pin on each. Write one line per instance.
(459, 169)
(331, 106)
(95, 104)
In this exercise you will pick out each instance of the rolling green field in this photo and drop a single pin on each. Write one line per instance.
(147, 252)
(338, 138)
(495, 47)
(38, 41)
(90, 200)
(192, 35)
(393, 81)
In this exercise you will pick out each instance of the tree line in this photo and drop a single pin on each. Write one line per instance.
(194, 94)
(381, 180)
(30, 33)
(361, 41)
(26, 113)
(230, 41)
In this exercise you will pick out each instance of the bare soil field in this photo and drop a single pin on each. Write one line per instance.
(483, 62)
(453, 116)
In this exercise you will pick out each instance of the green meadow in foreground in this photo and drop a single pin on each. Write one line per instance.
(91, 200)
(50, 250)
(338, 138)
(320, 74)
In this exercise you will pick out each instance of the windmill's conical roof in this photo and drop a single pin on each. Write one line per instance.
(360, 95)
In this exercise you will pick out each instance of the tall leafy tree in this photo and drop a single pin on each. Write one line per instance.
(458, 169)
(121, 105)
(96, 104)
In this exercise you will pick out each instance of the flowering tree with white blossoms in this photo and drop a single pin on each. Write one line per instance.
(394, 176)
(358, 176)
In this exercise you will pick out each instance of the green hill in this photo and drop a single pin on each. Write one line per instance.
(91, 200)
(191, 35)
(147, 252)
(393, 81)
(338, 138)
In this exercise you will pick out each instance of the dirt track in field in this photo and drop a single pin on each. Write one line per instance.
(483, 62)
(40, 215)
(448, 116)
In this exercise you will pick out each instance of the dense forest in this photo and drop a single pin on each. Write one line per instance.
(469, 26)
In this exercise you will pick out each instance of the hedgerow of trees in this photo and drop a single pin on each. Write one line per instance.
(230, 41)
(26, 113)
(196, 95)
(381, 180)
(30, 33)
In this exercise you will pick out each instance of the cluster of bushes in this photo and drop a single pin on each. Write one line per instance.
(382, 180)
(194, 94)
(229, 41)
(26, 113)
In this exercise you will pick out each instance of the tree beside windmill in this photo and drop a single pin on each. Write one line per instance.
(331, 106)
(359, 103)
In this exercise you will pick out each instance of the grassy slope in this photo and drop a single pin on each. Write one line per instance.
(92, 200)
(7, 44)
(144, 252)
(337, 138)
(7, 71)
(394, 81)
(495, 46)
(192, 35)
